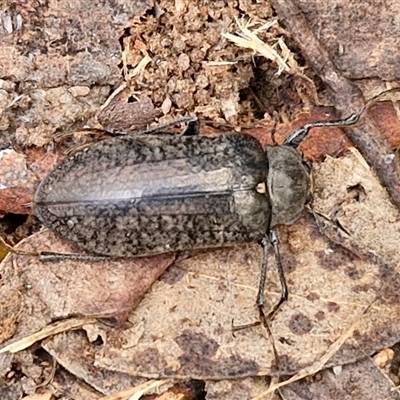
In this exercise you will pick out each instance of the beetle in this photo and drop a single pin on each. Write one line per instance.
(153, 192)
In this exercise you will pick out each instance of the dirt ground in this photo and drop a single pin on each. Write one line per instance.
(161, 327)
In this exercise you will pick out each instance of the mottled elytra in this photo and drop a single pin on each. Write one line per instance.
(141, 195)
(153, 192)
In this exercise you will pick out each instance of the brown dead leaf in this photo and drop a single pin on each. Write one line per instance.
(359, 381)
(183, 326)
(76, 354)
(58, 290)
(238, 389)
(66, 385)
(186, 329)
(349, 197)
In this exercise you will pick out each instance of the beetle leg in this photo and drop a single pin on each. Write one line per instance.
(263, 275)
(265, 242)
(49, 256)
(191, 129)
(274, 240)
(273, 236)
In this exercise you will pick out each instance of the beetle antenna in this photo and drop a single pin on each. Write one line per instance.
(300, 134)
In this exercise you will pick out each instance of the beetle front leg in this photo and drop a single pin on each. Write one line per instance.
(263, 275)
(273, 239)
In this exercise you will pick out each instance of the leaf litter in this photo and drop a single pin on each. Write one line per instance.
(182, 328)
(331, 283)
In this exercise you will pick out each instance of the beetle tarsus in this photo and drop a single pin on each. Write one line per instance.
(237, 328)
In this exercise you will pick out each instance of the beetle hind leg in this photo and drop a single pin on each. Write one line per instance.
(50, 256)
